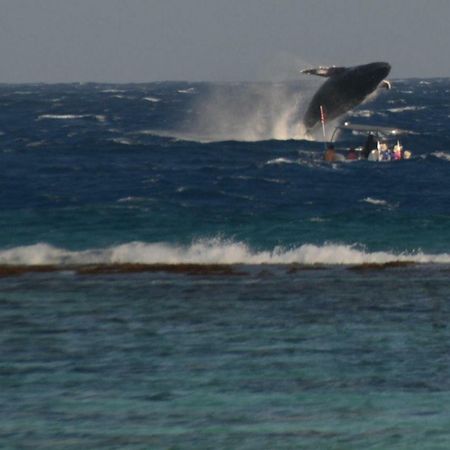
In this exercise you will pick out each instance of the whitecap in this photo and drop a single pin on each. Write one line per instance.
(62, 116)
(406, 108)
(280, 161)
(375, 201)
(146, 132)
(441, 155)
(186, 91)
(152, 99)
(131, 199)
(99, 117)
(36, 144)
(211, 251)
(379, 202)
(122, 141)
(112, 91)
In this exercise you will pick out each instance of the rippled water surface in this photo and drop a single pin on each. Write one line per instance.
(179, 269)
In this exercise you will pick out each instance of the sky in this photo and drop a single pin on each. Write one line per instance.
(217, 40)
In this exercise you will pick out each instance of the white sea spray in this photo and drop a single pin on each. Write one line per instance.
(211, 251)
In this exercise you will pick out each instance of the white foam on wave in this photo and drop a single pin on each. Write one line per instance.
(112, 91)
(61, 116)
(131, 199)
(379, 202)
(123, 141)
(99, 117)
(375, 201)
(281, 161)
(186, 91)
(406, 108)
(210, 251)
(307, 159)
(441, 155)
(152, 99)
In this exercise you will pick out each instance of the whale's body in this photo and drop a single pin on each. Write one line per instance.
(345, 89)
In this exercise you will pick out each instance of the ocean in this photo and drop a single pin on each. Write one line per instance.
(180, 269)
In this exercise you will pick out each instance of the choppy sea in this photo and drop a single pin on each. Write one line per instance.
(180, 269)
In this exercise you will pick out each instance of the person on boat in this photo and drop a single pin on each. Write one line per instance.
(398, 150)
(351, 154)
(330, 153)
(385, 152)
(371, 144)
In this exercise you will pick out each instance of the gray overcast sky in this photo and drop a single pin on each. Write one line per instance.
(149, 40)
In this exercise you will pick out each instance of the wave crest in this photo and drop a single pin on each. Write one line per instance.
(210, 251)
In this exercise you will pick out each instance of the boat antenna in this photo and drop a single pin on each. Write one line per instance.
(322, 120)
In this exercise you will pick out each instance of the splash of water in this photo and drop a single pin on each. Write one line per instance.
(210, 251)
(252, 112)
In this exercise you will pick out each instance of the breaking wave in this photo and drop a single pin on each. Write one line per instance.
(379, 202)
(442, 155)
(186, 91)
(152, 99)
(210, 251)
(406, 108)
(100, 118)
(375, 201)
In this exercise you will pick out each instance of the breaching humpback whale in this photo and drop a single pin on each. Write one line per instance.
(345, 88)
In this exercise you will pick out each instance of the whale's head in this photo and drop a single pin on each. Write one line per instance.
(369, 76)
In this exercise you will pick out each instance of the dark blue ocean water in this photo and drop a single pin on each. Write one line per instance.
(181, 270)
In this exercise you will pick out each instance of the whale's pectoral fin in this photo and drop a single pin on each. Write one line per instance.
(385, 84)
(325, 71)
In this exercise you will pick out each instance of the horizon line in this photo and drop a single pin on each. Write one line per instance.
(80, 82)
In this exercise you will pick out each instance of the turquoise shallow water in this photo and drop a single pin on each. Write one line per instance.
(274, 357)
